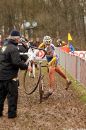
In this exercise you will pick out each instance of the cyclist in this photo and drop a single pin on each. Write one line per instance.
(52, 60)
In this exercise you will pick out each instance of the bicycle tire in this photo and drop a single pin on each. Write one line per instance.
(30, 84)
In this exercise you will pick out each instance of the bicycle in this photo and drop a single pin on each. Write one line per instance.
(35, 78)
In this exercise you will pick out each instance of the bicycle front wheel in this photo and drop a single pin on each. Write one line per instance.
(30, 83)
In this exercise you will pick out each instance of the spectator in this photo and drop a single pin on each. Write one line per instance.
(59, 43)
(65, 48)
(31, 42)
(37, 42)
(10, 62)
(71, 48)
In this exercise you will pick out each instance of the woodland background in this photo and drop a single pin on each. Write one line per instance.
(54, 17)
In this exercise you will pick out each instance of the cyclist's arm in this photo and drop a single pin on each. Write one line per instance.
(42, 45)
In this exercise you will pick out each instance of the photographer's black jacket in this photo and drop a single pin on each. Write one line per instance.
(10, 61)
(22, 48)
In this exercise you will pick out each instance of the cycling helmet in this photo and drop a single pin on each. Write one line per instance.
(47, 40)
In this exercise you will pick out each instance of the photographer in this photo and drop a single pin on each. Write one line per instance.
(10, 62)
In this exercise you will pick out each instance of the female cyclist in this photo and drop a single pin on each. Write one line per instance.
(52, 60)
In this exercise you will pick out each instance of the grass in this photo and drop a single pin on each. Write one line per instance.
(79, 89)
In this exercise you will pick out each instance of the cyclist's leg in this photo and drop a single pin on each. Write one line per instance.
(58, 70)
(51, 82)
(51, 78)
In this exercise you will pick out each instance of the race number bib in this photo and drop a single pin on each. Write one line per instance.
(40, 54)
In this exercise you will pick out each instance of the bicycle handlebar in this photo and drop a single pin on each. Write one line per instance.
(32, 54)
(33, 47)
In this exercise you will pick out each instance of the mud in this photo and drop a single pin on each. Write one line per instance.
(62, 111)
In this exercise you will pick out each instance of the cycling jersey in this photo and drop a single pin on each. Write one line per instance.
(51, 57)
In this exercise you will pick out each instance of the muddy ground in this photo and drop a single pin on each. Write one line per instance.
(62, 111)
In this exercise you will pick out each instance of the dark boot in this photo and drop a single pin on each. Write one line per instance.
(68, 84)
(46, 95)
(12, 116)
(1, 114)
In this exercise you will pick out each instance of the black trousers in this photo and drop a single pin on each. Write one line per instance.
(9, 89)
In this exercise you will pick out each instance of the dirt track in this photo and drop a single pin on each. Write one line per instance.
(62, 111)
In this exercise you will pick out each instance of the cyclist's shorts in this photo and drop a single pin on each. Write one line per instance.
(53, 60)
(49, 58)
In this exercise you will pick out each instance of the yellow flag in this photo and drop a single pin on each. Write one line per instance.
(69, 37)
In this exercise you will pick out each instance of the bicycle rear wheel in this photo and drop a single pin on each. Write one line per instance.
(30, 83)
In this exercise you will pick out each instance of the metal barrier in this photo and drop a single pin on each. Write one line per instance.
(74, 65)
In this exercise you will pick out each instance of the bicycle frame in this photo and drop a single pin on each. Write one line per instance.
(32, 58)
